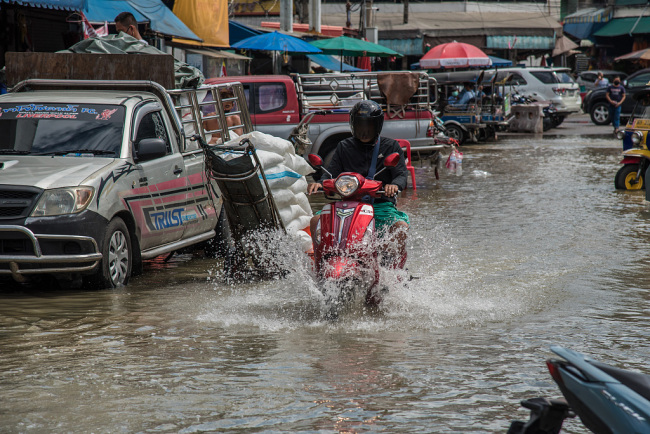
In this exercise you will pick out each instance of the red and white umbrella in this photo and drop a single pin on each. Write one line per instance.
(454, 55)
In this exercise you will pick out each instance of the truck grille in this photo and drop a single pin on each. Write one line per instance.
(17, 201)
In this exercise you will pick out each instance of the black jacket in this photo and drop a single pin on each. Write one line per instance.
(353, 156)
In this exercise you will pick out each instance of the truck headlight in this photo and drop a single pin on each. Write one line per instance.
(346, 185)
(637, 136)
(61, 201)
(620, 135)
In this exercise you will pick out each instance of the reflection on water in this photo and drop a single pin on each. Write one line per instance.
(531, 247)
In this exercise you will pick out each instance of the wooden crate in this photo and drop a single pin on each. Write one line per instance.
(78, 66)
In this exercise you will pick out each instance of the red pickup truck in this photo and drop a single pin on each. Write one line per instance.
(277, 103)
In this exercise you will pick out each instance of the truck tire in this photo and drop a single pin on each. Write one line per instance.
(600, 113)
(455, 132)
(114, 269)
(326, 151)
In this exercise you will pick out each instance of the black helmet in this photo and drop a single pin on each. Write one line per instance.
(366, 121)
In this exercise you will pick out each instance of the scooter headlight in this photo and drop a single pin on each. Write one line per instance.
(346, 185)
(637, 136)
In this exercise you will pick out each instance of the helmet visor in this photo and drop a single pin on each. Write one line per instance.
(366, 130)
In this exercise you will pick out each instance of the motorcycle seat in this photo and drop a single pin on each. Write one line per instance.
(639, 383)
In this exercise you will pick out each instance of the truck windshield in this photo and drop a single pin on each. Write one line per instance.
(59, 129)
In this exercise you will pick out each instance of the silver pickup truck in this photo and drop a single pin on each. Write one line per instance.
(97, 176)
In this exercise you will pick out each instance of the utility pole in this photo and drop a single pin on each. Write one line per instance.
(406, 11)
(286, 15)
(314, 16)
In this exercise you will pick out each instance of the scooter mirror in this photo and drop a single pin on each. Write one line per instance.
(315, 160)
(391, 160)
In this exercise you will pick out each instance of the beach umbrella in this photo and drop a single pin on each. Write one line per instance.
(345, 46)
(454, 55)
(276, 41)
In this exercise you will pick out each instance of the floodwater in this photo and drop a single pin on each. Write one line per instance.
(530, 247)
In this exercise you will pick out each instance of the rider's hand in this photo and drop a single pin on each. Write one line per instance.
(314, 187)
(390, 190)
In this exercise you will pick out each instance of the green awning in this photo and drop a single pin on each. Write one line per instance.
(623, 26)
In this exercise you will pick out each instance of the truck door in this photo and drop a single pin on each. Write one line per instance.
(158, 203)
(274, 114)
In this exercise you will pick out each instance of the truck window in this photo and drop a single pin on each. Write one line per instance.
(639, 80)
(270, 97)
(45, 128)
(152, 126)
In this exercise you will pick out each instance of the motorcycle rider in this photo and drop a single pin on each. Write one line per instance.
(355, 154)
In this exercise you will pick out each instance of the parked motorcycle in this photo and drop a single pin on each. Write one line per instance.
(345, 254)
(607, 399)
(551, 117)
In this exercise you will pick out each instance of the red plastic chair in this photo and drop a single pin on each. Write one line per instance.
(406, 145)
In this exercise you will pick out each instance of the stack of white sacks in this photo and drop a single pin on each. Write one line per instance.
(285, 173)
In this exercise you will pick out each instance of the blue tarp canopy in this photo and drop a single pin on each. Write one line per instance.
(238, 31)
(586, 22)
(329, 62)
(498, 62)
(160, 18)
(276, 41)
(67, 5)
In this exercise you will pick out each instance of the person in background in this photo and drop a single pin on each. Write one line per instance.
(125, 22)
(465, 96)
(615, 96)
(601, 81)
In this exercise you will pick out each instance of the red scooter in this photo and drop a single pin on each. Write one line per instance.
(345, 253)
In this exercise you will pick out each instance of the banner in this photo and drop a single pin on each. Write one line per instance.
(208, 19)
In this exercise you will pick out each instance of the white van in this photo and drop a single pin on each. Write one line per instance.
(549, 84)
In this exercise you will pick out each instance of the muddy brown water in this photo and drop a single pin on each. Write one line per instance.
(530, 247)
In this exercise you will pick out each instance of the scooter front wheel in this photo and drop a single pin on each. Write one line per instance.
(626, 178)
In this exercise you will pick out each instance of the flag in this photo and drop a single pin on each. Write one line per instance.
(90, 31)
(223, 69)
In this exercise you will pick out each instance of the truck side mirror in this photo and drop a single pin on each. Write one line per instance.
(391, 160)
(315, 160)
(150, 149)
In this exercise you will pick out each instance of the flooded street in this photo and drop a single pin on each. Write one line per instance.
(532, 246)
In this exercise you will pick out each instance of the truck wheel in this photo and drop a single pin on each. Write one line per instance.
(115, 267)
(600, 113)
(625, 178)
(455, 132)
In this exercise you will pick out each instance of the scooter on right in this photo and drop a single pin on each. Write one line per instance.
(636, 156)
(607, 399)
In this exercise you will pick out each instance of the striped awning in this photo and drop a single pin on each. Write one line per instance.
(66, 5)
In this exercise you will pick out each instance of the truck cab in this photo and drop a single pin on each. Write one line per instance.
(97, 176)
(277, 104)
